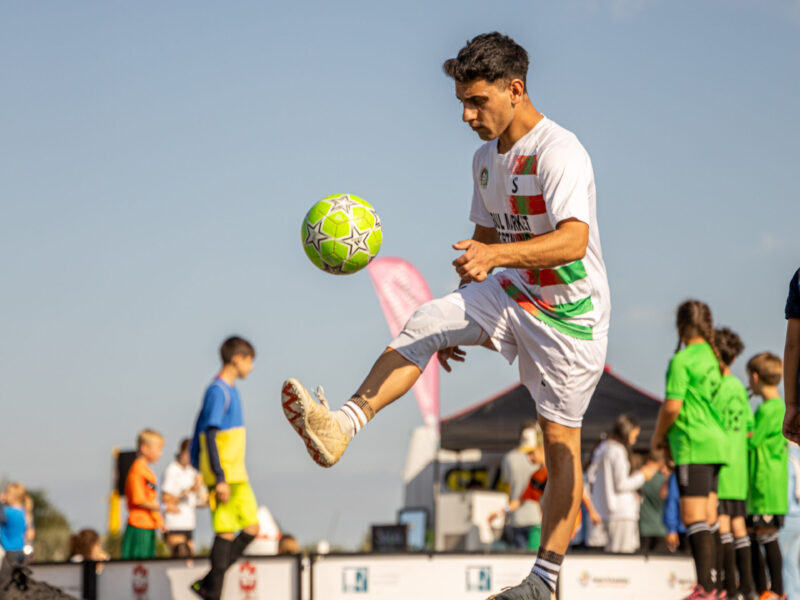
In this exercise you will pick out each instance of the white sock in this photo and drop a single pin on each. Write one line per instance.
(345, 423)
(354, 415)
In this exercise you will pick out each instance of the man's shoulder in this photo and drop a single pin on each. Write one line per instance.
(484, 152)
(554, 140)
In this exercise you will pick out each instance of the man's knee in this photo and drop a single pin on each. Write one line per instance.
(436, 325)
(560, 437)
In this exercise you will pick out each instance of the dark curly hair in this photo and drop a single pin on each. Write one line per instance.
(490, 56)
(729, 344)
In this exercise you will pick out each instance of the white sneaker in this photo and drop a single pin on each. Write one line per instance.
(314, 423)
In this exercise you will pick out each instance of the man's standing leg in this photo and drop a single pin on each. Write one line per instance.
(562, 497)
(560, 505)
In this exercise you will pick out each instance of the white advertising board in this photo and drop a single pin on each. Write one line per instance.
(68, 577)
(417, 576)
(624, 578)
(252, 579)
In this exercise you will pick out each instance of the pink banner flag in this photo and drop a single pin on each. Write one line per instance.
(401, 288)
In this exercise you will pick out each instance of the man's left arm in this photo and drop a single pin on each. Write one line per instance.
(565, 175)
(562, 246)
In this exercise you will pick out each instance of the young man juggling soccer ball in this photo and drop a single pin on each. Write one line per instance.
(534, 212)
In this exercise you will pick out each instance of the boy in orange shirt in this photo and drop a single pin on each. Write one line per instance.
(144, 511)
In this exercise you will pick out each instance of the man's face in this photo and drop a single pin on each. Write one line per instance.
(488, 107)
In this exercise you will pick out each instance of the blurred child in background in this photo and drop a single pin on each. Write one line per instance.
(144, 511)
(767, 500)
(14, 522)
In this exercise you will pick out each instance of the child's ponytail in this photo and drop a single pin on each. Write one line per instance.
(694, 318)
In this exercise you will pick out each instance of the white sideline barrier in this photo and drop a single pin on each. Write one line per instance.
(432, 577)
(626, 577)
(68, 576)
(383, 577)
(415, 576)
(249, 579)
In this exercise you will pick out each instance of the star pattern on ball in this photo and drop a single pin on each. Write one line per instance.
(344, 203)
(314, 234)
(356, 241)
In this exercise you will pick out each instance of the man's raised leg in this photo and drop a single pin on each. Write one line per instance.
(434, 326)
(326, 434)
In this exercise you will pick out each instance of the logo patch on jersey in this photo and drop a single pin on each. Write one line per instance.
(523, 185)
(484, 177)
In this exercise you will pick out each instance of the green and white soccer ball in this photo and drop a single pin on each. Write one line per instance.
(341, 234)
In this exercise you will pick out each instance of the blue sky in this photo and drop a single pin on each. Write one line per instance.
(156, 161)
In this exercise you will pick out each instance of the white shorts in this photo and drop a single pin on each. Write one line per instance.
(560, 372)
(623, 537)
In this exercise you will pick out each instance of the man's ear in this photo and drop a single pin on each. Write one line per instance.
(516, 88)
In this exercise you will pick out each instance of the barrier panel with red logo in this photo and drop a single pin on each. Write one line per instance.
(267, 578)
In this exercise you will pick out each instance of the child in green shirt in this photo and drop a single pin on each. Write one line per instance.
(732, 402)
(767, 498)
(696, 439)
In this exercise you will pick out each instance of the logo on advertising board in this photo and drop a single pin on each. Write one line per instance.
(676, 581)
(586, 579)
(355, 579)
(479, 579)
(247, 580)
(139, 583)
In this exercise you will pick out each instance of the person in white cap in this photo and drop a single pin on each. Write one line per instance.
(516, 470)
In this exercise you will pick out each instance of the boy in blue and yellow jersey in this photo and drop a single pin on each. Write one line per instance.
(218, 452)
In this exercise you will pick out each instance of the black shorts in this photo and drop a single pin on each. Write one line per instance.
(697, 480)
(765, 521)
(188, 534)
(733, 508)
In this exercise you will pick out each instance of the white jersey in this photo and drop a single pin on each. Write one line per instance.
(178, 480)
(544, 179)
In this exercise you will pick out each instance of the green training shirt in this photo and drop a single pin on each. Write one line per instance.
(768, 464)
(732, 403)
(696, 437)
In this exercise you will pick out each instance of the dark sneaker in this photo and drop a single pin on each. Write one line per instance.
(197, 588)
(16, 583)
(531, 588)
